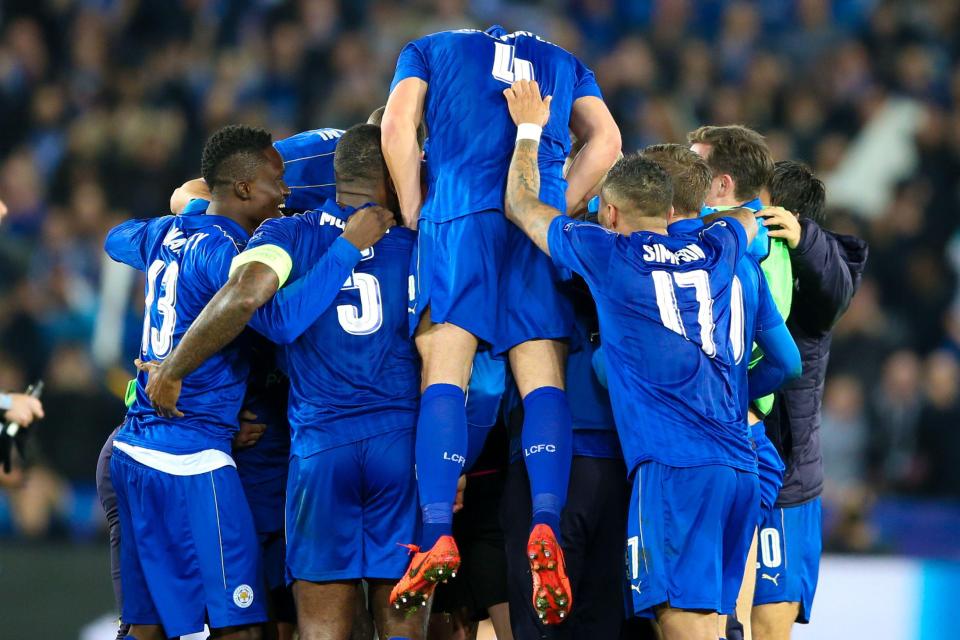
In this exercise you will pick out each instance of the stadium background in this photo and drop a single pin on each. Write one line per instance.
(105, 104)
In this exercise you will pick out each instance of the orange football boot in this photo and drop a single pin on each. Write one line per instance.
(552, 597)
(426, 569)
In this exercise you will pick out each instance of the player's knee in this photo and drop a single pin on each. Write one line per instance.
(773, 621)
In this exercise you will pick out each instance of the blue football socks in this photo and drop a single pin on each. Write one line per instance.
(547, 439)
(441, 451)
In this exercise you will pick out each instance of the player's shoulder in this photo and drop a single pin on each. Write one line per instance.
(308, 144)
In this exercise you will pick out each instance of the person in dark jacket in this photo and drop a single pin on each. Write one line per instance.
(827, 268)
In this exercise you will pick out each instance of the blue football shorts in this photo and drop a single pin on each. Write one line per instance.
(456, 270)
(481, 273)
(350, 508)
(770, 467)
(688, 534)
(788, 556)
(188, 549)
(532, 303)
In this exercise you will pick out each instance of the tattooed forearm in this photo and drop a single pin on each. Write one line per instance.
(224, 317)
(523, 205)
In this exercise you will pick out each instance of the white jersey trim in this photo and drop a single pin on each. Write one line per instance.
(190, 464)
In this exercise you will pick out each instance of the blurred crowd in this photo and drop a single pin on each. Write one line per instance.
(105, 105)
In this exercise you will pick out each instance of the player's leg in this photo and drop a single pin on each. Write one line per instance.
(145, 632)
(228, 554)
(456, 270)
(739, 534)
(152, 544)
(547, 437)
(324, 518)
(389, 489)
(680, 624)
(108, 500)
(789, 546)
(447, 352)
(593, 527)
(500, 619)
(676, 548)
(535, 321)
(325, 610)
(745, 599)
(774, 621)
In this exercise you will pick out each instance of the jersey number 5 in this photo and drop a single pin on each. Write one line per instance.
(161, 340)
(368, 318)
(509, 68)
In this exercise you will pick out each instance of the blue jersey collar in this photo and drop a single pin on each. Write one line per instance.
(760, 247)
(194, 216)
(685, 226)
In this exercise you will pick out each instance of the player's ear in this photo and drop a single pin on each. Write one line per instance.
(726, 184)
(242, 189)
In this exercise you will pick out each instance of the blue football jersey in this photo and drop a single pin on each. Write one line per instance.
(354, 373)
(752, 307)
(664, 309)
(471, 133)
(186, 259)
(308, 167)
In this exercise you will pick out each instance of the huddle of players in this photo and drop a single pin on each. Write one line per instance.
(366, 334)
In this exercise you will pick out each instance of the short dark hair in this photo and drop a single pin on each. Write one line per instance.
(688, 172)
(377, 118)
(794, 187)
(359, 157)
(233, 153)
(641, 183)
(740, 152)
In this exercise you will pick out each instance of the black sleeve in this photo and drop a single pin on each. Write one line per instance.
(825, 285)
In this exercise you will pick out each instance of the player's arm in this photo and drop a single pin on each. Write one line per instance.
(298, 305)
(780, 363)
(189, 190)
(125, 243)
(401, 151)
(523, 205)
(745, 217)
(222, 320)
(824, 277)
(591, 122)
(255, 276)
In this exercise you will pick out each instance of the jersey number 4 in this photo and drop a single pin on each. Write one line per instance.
(509, 68)
(161, 340)
(368, 317)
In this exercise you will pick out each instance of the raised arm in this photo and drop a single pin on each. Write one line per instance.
(400, 149)
(189, 190)
(523, 206)
(591, 122)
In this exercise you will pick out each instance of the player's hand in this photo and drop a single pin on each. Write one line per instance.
(23, 409)
(525, 103)
(250, 431)
(458, 500)
(162, 388)
(365, 227)
(781, 223)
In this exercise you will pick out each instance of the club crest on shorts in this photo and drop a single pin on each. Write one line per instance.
(243, 596)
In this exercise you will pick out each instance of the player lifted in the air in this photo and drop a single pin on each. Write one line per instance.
(664, 308)
(478, 280)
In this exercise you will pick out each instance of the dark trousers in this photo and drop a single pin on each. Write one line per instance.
(593, 530)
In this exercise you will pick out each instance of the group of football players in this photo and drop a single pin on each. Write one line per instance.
(335, 323)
